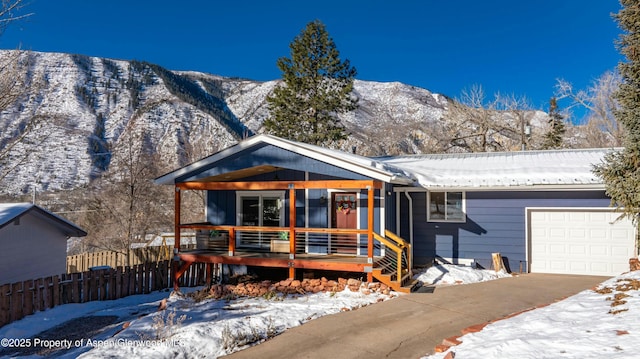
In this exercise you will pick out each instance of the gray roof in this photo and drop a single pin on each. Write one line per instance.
(12, 211)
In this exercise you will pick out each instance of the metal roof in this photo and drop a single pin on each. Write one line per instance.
(562, 169)
(553, 168)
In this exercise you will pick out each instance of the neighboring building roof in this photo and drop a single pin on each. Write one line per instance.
(522, 169)
(358, 164)
(12, 211)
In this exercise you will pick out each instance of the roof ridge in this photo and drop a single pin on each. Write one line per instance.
(498, 153)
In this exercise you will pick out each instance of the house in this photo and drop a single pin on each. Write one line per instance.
(34, 242)
(544, 211)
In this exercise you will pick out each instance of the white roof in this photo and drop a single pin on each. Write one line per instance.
(555, 168)
(552, 169)
(11, 211)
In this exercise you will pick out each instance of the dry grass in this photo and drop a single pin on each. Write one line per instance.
(620, 293)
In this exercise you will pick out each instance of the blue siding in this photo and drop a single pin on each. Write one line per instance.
(221, 207)
(390, 208)
(495, 223)
(318, 208)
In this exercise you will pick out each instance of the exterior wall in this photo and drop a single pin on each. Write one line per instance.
(33, 249)
(495, 223)
(221, 205)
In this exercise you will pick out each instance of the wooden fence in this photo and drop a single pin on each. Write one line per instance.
(83, 262)
(20, 299)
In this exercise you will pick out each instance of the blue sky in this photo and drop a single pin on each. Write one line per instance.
(506, 46)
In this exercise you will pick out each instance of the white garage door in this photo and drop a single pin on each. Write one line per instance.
(575, 241)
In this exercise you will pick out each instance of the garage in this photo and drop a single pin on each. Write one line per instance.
(579, 241)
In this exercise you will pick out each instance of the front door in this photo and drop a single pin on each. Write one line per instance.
(345, 215)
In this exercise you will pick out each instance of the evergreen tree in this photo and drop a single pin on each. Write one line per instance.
(621, 169)
(557, 129)
(316, 87)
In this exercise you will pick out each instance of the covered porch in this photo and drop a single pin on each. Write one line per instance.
(272, 202)
(385, 257)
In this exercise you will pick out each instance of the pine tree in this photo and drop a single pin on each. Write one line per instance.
(316, 87)
(621, 169)
(553, 138)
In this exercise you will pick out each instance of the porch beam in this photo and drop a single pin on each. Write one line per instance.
(176, 244)
(370, 216)
(270, 185)
(292, 228)
(232, 241)
(176, 233)
(183, 268)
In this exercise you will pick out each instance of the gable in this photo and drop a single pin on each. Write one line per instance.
(12, 213)
(264, 158)
(268, 153)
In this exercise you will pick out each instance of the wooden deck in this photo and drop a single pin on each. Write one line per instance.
(334, 262)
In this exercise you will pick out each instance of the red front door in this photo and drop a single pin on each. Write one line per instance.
(345, 215)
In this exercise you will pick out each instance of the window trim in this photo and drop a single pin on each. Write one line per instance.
(445, 220)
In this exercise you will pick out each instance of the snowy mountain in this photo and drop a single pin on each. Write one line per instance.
(87, 104)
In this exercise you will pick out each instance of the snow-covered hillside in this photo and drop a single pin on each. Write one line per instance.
(87, 107)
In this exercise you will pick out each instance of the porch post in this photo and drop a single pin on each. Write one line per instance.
(370, 214)
(176, 244)
(292, 228)
(232, 241)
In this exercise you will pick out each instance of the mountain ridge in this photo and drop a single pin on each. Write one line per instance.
(89, 105)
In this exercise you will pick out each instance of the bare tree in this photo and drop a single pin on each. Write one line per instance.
(10, 11)
(15, 138)
(600, 127)
(473, 124)
(126, 205)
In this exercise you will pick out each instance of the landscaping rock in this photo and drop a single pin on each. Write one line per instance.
(289, 286)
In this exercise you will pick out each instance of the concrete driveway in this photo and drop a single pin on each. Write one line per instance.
(412, 325)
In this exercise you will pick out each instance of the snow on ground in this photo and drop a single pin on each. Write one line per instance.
(581, 326)
(208, 328)
(186, 328)
(591, 324)
(451, 274)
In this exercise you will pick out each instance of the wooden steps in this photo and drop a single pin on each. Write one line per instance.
(405, 286)
(394, 269)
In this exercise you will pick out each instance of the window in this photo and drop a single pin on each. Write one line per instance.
(446, 207)
(263, 209)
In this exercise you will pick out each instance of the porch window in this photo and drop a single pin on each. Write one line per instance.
(446, 207)
(263, 209)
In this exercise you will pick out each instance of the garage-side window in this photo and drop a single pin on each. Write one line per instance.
(446, 207)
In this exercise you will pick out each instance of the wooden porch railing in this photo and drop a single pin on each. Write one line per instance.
(394, 268)
(262, 239)
(391, 259)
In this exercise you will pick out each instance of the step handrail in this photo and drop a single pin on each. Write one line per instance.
(402, 244)
(395, 248)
